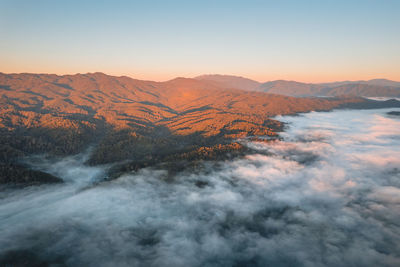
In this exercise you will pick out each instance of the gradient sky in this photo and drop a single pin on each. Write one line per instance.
(312, 41)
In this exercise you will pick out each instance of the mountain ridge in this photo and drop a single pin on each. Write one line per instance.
(139, 122)
(369, 88)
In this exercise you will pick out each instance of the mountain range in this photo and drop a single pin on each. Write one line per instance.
(371, 88)
(140, 123)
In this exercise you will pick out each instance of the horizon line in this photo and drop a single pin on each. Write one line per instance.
(194, 77)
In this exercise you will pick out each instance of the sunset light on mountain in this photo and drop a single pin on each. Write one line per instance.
(200, 133)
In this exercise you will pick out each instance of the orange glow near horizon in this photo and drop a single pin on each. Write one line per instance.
(159, 75)
(315, 42)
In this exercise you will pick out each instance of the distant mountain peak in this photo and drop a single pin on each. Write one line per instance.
(230, 81)
(220, 75)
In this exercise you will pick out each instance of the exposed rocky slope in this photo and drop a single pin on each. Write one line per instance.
(138, 122)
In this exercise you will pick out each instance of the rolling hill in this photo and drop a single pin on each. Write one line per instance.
(135, 121)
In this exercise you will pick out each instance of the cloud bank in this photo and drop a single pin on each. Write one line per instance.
(327, 195)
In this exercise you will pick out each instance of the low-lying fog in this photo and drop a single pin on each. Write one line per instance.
(328, 195)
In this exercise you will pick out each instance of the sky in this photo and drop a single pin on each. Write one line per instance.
(309, 41)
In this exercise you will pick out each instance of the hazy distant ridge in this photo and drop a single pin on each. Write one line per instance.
(370, 88)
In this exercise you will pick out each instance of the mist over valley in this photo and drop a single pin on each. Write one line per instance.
(199, 133)
(327, 194)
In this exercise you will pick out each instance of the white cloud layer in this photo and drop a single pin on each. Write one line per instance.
(328, 195)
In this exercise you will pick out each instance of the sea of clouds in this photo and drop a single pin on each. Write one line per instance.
(328, 194)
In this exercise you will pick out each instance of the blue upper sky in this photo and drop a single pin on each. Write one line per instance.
(306, 40)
